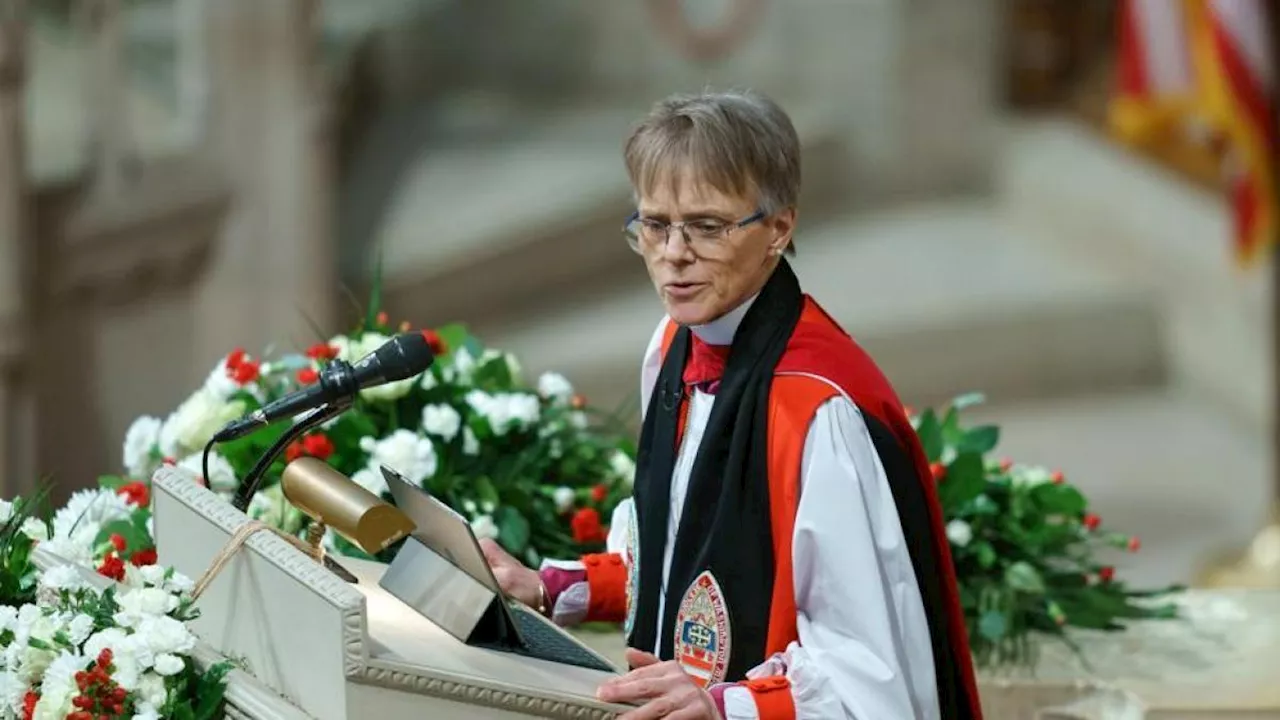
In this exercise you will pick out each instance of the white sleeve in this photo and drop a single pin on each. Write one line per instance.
(651, 365)
(864, 649)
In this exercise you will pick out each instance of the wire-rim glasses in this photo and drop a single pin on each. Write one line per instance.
(705, 236)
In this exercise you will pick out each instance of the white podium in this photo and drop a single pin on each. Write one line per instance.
(328, 649)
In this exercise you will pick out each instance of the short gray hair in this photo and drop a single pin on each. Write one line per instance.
(738, 141)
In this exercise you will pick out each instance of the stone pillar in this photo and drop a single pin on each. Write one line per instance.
(273, 273)
(16, 471)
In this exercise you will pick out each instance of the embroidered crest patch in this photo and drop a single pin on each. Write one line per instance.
(632, 556)
(702, 631)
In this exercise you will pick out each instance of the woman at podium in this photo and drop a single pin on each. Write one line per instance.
(783, 554)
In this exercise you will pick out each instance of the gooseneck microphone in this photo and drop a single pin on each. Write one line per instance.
(400, 358)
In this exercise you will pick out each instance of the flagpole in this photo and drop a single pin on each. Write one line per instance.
(1259, 566)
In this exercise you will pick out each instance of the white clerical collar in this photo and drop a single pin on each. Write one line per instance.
(721, 330)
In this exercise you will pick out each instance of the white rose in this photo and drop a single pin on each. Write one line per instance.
(484, 527)
(195, 421)
(168, 664)
(139, 443)
(404, 451)
(959, 533)
(222, 477)
(564, 499)
(470, 444)
(442, 421)
(555, 387)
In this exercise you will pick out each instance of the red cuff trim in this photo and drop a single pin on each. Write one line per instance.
(607, 578)
(773, 697)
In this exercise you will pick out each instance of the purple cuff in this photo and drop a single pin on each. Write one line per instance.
(557, 580)
(717, 696)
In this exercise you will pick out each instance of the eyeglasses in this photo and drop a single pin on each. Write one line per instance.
(705, 236)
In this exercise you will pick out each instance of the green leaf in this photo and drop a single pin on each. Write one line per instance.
(112, 482)
(1059, 499)
(986, 554)
(979, 440)
(930, 432)
(513, 529)
(135, 538)
(1023, 577)
(968, 400)
(993, 625)
(966, 479)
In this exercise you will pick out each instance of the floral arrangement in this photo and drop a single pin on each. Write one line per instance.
(529, 464)
(72, 649)
(1025, 546)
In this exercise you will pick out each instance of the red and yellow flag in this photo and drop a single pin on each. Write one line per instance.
(1204, 68)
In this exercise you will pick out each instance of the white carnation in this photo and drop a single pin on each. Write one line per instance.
(404, 451)
(140, 442)
(564, 499)
(484, 527)
(36, 529)
(58, 687)
(470, 443)
(464, 364)
(623, 467)
(92, 507)
(555, 387)
(442, 421)
(505, 411)
(195, 421)
(222, 477)
(164, 634)
(578, 420)
(151, 689)
(6, 511)
(12, 691)
(371, 479)
(429, 380)
(168, 664)
(959, 533)
(62, 577)
(141, 604)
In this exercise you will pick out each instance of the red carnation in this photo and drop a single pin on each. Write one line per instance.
(1057, 477)
(112, 566)
(318, 446)
(29, 704)
(939, 471)
(599, 492)
(308, 376)
(435, 342)
(117, 542)
(322, 351)
(578, 402)
(586, 527)
(234, 359)
(1006, 464)
(137, 493)
(244, 373)
(1134, 544)
(1091, 521)
(143, 558)
(382, 319)
(1106, 574)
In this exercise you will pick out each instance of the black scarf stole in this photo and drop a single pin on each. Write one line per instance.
(725, 524)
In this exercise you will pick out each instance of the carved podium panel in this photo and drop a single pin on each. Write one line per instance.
(338, 650)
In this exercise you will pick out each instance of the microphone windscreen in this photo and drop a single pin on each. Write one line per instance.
(404, 356)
